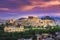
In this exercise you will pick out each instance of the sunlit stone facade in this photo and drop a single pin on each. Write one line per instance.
(14, 29)
(10, 21)
(35, 21)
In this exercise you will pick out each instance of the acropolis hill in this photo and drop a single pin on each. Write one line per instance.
(33, 21)
(18, 25)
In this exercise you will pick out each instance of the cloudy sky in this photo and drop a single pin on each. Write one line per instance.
(19, 8)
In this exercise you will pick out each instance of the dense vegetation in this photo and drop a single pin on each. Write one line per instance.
(28, 33)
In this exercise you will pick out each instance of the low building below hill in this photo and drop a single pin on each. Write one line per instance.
(14, 29)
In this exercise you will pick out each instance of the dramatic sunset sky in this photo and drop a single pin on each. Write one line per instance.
(19, 8)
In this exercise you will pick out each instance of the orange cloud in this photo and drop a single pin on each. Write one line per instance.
(45, 4)
(41, 4)
(27, 7)
(4, 9)
(51, 3)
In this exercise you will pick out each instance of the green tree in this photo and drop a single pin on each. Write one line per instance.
(2, 27)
